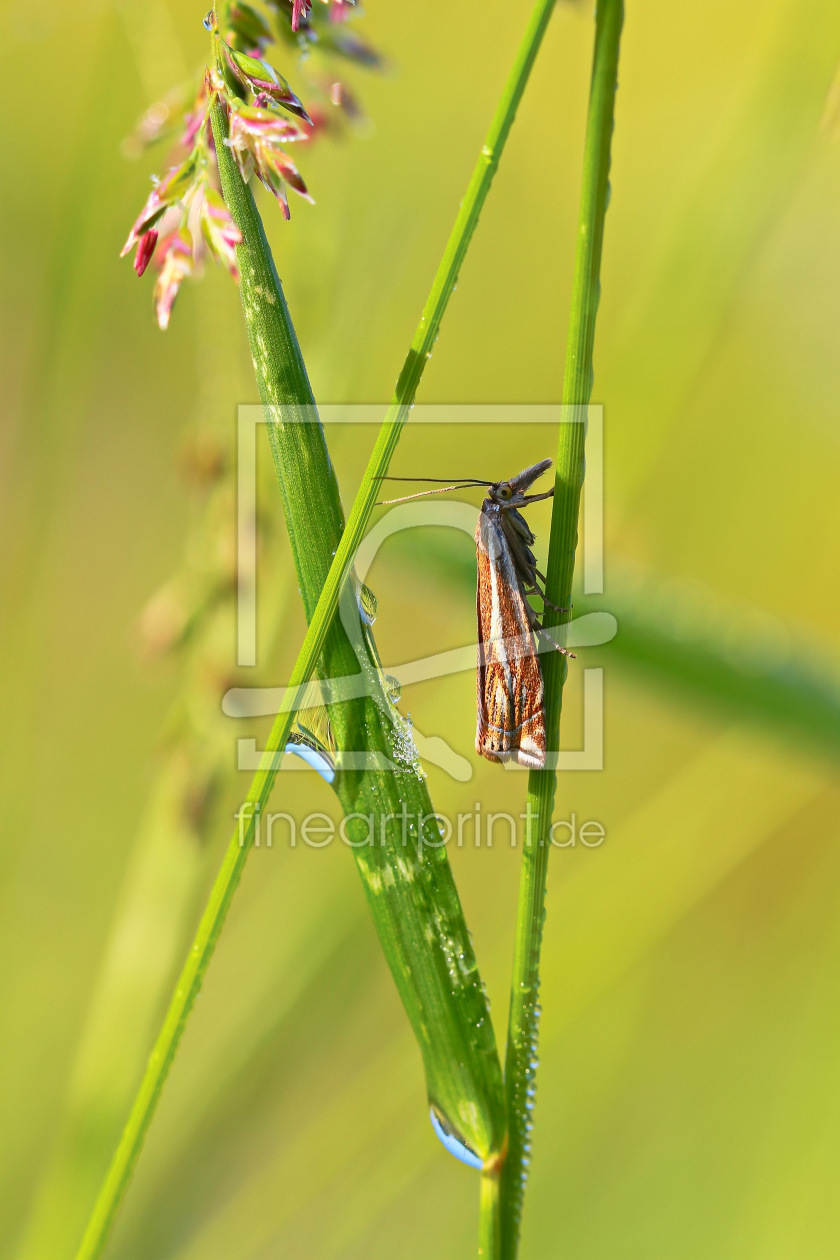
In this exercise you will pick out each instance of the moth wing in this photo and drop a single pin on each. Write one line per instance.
(509, 687)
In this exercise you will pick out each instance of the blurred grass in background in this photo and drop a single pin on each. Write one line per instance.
(690, 1089)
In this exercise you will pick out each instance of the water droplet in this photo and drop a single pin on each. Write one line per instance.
(368, 604)
(453, 1142)
(314, 759)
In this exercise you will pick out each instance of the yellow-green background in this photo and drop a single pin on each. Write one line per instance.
(689, 1093)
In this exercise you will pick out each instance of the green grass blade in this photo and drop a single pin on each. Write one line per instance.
(733, 661)
(520, 1061)
(411, 893)
(291, 376)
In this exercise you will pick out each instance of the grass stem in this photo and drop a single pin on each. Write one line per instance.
(521, 1055)
(489, 1235)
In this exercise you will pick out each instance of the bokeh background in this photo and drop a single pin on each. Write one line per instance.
(689, 1093)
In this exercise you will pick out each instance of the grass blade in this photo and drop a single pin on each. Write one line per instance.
(520, 1061)
(390, 819)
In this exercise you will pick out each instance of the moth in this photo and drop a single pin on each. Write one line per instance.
(510, 696)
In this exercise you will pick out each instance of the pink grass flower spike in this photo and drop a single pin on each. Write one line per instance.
(145, 250)
(176, 266)
(219, 230)
(256, 136)
(300, 9)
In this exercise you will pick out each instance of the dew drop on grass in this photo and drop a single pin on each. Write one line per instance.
(451, 1139)
(314, 759)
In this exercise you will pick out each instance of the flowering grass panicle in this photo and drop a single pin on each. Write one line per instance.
(184, 217)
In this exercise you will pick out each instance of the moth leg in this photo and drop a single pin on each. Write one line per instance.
(542, 595)
(549, 604)
(532, 614)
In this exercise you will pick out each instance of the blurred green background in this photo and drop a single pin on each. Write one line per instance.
(689, 1094)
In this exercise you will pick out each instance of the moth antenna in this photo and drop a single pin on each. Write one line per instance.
(469, 485)
(472, 481)
(550, 642)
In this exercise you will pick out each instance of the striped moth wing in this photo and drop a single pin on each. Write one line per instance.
(509, 684)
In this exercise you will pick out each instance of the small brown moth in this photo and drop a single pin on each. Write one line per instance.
(509, 682)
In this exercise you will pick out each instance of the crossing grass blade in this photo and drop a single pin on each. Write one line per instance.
(405, 870)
